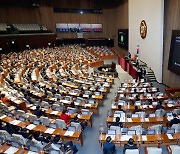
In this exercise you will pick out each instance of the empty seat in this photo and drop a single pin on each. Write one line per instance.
(45, 105)
(77, 125)
(85, 112)
(132, 151)
(175, 149)
(117, 128)
(137, 128)
(159, 112)
(154, 150)
(60, 123)
(176, 127)
(157, 128)
(33, 119)
(45, 120)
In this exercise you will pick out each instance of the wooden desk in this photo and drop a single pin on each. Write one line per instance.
(145, 122)
(20, 150)
(76, 137)
(157, 139)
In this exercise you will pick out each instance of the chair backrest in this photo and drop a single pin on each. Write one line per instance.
(157, 128)
(56, 107)
(71, 110)
(5, 134)
(77, 125)
(137, 128)
(19, 138)
(176, 127)
(154, 150)
(45, 105)
(45, 120)
(159, 112)
(85, 111)
(175, 149)
(176, 111)
(117, 128)
(141, 114)
(132, 151)
(60, 123)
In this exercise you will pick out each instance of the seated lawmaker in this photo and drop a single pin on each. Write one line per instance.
(108, 146)
(83, 124)
(38, 112)
(136, 110)
(175, 120)
(129, 145)
(120, 108)
(159, 106)
(117, 122)
(65, 116)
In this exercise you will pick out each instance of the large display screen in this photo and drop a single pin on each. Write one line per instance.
(123, 38)
(174, 56)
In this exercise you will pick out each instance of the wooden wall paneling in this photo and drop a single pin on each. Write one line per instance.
(121, 21)
(172, 22)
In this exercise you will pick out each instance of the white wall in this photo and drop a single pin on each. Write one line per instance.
(150, 48)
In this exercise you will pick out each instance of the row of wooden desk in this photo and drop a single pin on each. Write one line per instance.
(144, 140)
(75, 137)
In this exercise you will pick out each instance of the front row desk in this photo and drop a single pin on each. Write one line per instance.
(127, 66)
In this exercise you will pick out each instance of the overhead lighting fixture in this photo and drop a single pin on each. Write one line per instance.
(81, 12)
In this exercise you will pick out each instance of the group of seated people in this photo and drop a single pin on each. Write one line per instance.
(32, 140)
(47, 76)
(109, 146)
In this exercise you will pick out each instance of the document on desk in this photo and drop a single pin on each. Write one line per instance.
(75, 103)
(170, 136)
(113, 106)
(170, 105)
(33, 107)
(64, 101)
(11, 150)
(3, 116)
(15, 122)
(125, 137)
(31, 126)
(17, 101)
(50, 130)
(68, 133)
(129, 119)
(150, 106)
(54, 112)
(146, 119)
(31, 152)
(87, 105)
(144, 137)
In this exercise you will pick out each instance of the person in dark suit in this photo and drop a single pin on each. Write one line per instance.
(117, 123)
(109, 146)
(129, 145)
(175, 120)
(38, 112)
(136, 110)
(120, 108)
(159, 106)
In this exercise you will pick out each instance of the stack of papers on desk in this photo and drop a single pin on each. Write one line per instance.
(129, 119)
(17, 101)
(87, 105)
(113, 106)
(33, 107)
(31, 152)
(75, 103)
(11, 150)
(170, 136)
(2, 116)
(31, 126)
(150, 106)
(68, 133)
(170, 105)
(144, 137)
(15, 122)
(54, 112)
(125, 137)
(50, 130)
(64, 101)
(146, 119)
